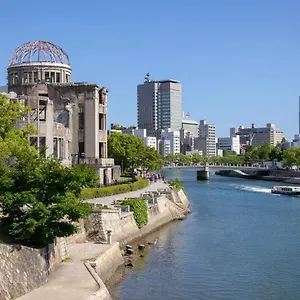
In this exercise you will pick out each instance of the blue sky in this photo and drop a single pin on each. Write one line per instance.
(238, 61)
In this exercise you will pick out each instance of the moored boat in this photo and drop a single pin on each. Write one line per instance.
(286, 190)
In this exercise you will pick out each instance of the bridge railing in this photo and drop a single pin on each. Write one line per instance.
(224, 165)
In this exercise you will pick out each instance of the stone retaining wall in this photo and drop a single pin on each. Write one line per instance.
(22, 270)
(123, 226)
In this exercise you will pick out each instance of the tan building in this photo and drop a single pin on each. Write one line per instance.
(256, 136)
(70, 118)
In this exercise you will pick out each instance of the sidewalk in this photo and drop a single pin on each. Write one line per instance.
(110, 199)
(71, 280)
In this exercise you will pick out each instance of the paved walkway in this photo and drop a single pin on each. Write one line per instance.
(71, 280)
(110, 199)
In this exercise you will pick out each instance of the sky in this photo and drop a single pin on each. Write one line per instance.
(238, 61)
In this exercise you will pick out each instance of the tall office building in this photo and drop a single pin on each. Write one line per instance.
(159, 105)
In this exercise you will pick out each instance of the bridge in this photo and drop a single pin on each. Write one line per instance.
(204, 170)
(216, 167)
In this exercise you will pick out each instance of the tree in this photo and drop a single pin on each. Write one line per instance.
(151, 159)
(263, 151)
(43, 201)
(170, 158)
(38, 196)
(284, 140)
(291, 157)
(130, 151)
(276, 153)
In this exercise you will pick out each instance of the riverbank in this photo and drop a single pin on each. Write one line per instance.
(83, 273)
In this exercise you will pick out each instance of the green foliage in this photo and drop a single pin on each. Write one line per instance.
(120, 127)
(86, 176)
(252, 155)
(139, 209)
(176, 184)
(39, 198)
(90, 193)
(130, 151)
(291, 157)
(42, 201)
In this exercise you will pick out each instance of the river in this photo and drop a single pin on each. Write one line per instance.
(241, 242)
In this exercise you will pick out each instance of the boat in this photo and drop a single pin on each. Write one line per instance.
(286, 190)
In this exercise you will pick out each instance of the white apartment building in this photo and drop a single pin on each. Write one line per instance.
(230, 144)
(142, 134)
(174, 138)
(150, 141)
(206, 142)
(164, 147)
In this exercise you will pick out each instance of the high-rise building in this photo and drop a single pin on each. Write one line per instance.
(159, 105)
(206, 142)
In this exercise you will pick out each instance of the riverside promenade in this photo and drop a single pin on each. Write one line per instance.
(110, 199)
(71, 280)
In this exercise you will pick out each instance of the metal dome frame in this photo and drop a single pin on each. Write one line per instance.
(39, 51)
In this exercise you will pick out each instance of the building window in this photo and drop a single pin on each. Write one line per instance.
(81, 120)
(101, 122)
(81, 149)
(101, 150)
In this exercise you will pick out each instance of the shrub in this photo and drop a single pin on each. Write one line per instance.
(90, 193)
(176, 184)
(139, 209)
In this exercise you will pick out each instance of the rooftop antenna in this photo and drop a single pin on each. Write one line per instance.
(147, 77)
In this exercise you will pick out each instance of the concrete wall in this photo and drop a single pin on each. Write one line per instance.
(107, 263)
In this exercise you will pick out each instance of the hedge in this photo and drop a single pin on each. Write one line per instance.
(90, 193)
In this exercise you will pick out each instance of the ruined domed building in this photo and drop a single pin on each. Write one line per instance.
(70, 117)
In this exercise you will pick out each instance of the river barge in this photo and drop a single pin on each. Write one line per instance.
(286, 190)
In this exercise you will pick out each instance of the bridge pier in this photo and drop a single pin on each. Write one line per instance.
(203, 174)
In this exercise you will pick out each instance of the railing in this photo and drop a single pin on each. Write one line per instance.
(97, 161)
(124, 208)
(249, 166)
(118, 182)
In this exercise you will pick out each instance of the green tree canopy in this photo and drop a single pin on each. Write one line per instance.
(291, 157)
(38, 196)
(130, 151)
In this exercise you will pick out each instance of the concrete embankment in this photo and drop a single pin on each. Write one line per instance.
(83, 268)
(162, 209)
(285, 176)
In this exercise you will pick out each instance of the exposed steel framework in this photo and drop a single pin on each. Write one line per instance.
(39, 51)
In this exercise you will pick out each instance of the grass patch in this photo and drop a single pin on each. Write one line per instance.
(66, 259)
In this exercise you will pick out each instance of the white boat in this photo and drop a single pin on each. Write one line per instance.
(286, 190)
